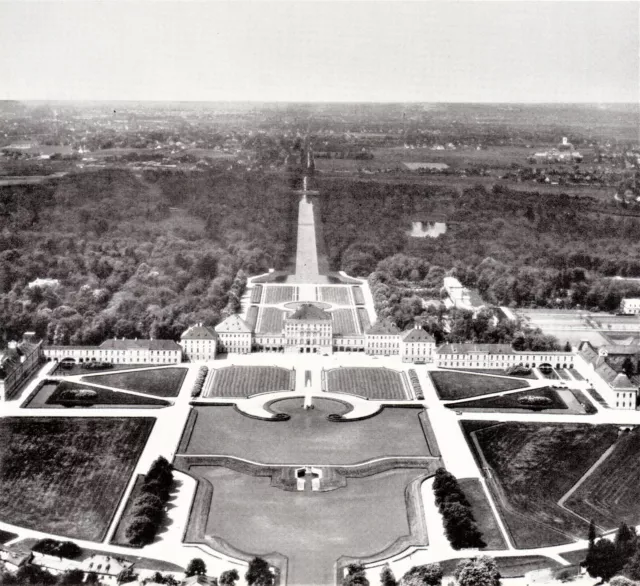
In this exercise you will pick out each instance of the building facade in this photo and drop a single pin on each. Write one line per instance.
(17, 363)
(630, 306)
(122, 351)
(308, 330)
(199, 342)
(234, 335)
(498, 356)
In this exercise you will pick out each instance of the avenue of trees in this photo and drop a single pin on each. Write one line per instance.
(136, 255)
(515, 248)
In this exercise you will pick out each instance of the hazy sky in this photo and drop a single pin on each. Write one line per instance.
(322, 51)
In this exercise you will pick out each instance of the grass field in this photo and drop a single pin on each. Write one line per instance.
(308, 436)
(612, 492)
(271, 321)
(252, 317)
(160, 382)
(67, 475)
(344, 322)
(241, 381)
(458, 385)
(274, 295)
(510, 401)
(363, 316)
(256, 294)
(494, 371)
(374, 383)
(51, 395)
(532, 467)
(337, 295)
(358, 295)
(483, 514)
(312, 529)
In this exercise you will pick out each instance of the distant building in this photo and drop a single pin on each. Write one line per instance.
(199, 342)
(563, 153)
(17, 363)
(603, 368)
(234, 335)
(630, 306)
(13, 560)
(119, 351)
(309, 330)
(500, 356)
(416, 345)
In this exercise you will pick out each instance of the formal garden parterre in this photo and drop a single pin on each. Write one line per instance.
(242, 381)
(160, 382)
(373, 383)
(453, 385)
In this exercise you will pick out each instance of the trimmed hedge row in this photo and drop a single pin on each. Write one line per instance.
(149, 507)
(459, 522)
(197, 385)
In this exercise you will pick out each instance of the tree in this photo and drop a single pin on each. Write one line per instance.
(602, 560)
(628, 367)
(141, 530)
(259, 573)
(427, 575)
(592, 533)
(386, 577)
(356, 575)
(481, 571)
(196, 567)
(229, 578)
(625, 542)
(567, 346)
(73, 577)
(632, 567)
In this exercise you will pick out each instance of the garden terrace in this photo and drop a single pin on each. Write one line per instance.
(308, 437)
(363, 317)
(271, 321)
(336, 295)
(242, 381)
(280, 294)
(344, 322)
(252, 317)
(56, 394)
(66, 475)
(358, 295)
(160, 382)
(256, 294)
(610, 494)
(373, 383)
(452, 385)
(532, 466)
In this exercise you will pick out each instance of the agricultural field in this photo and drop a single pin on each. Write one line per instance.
(363, 316)
(373, 383)
(358, 295)
(256, 294)
(336, 295)
(160, 382)
(532, 466)
(56, 394)
(483, 514)
(242, 381)
(612, 492)
(67, 475)
(344, 322)
(274, 295)
(461, 385)
(271, 321)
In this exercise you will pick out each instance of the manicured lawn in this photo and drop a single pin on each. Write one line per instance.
(308, 436)
(313, 529)
(575, 557)
(483, 514)
(337, 295)
(343, 321)
(532, 466)
(358, 295)
(66, 475)
(242, 381)
(510, 401)
(374, 383)
(161, 382)
(611, 494)
(495, 371)
(458, 385)
(6, 536)
(55, 394)
(271, 321)
(274, 295)
(252, 317)
(77, 369)
(363, 316)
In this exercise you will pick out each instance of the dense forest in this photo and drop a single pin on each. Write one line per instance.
(136, 255)
(517, 249)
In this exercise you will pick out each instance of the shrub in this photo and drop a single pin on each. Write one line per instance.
(535, 401)
(62, 549)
